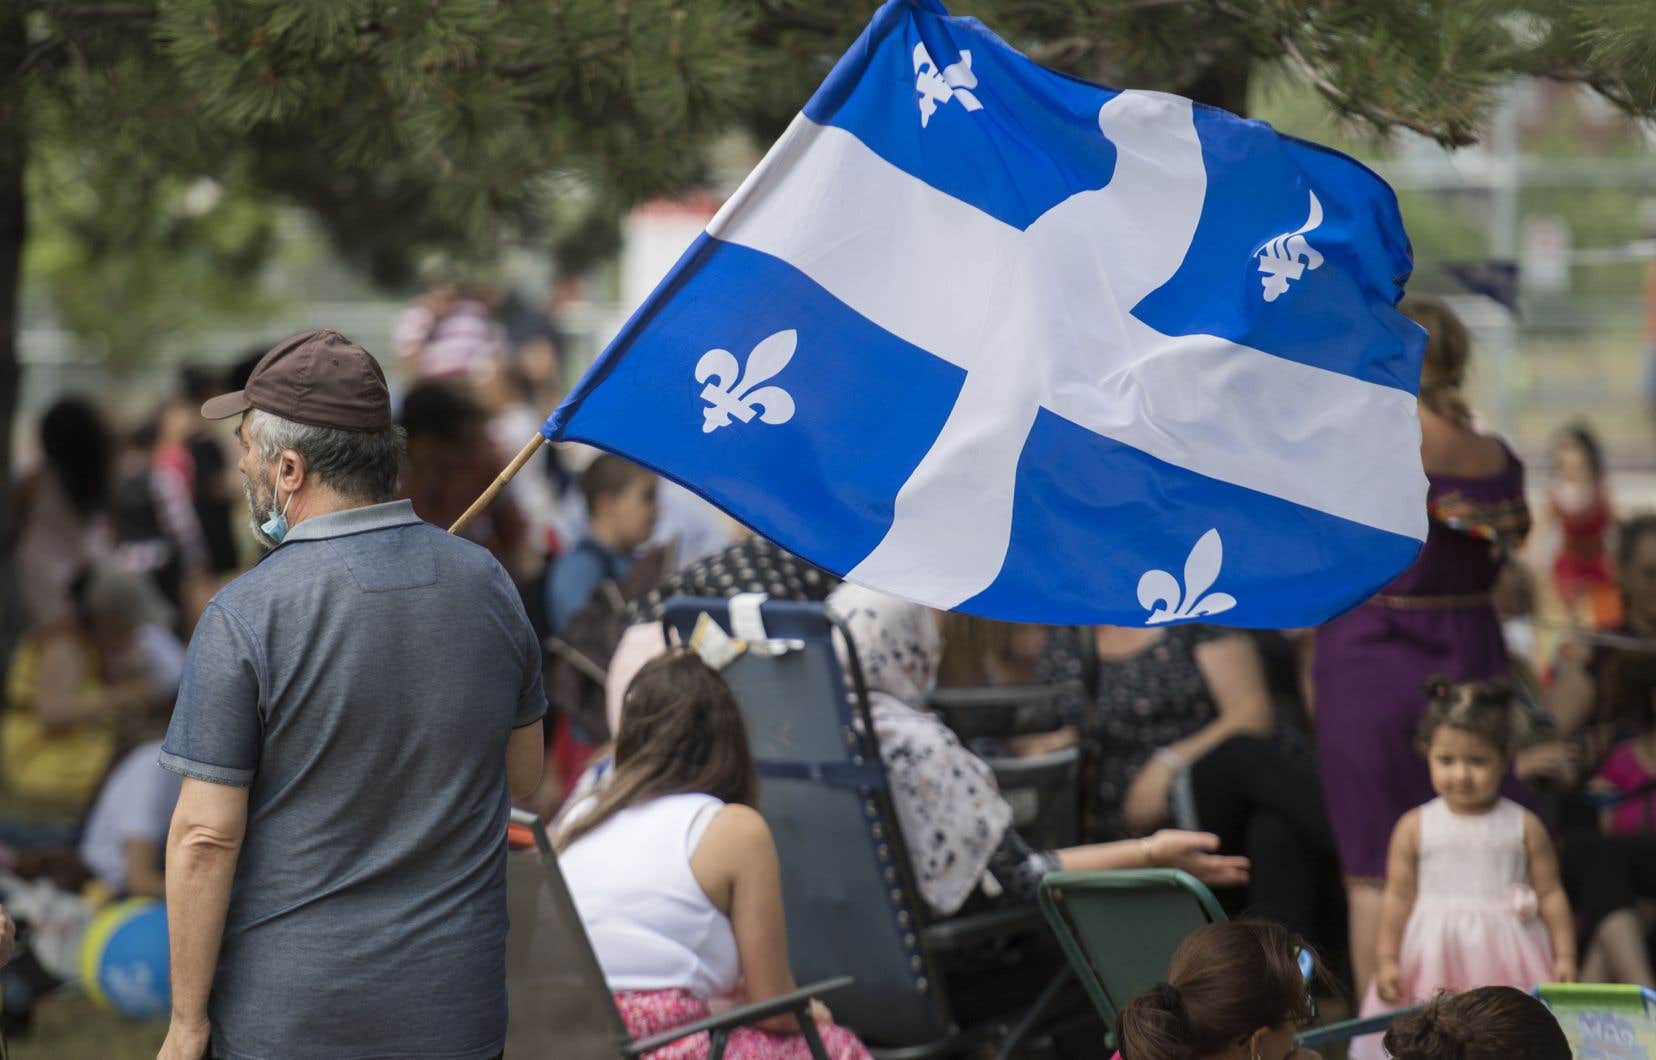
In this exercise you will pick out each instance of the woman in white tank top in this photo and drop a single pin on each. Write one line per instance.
(675, 875)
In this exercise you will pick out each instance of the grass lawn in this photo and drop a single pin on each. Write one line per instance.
(68, 1026)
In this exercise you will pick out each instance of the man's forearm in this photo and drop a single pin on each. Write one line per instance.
(200, 868)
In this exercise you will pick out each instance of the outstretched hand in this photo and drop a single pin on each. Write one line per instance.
(1197, 854)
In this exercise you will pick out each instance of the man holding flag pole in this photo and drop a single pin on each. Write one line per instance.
(353, 714)
(998, 340)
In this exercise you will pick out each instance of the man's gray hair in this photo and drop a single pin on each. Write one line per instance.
(357, 465)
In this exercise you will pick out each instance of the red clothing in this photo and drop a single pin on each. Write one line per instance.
(1623, 771)
(1583, 561)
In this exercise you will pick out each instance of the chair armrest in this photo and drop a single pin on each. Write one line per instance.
(957, 932)
(742, 1015)
(1346, 1030)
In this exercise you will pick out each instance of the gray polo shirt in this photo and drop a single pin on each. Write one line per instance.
(362, 681)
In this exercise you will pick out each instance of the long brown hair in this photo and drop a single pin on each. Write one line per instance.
(681, 732)
(1226, 981)
(1448, 349)
(1489, 1023)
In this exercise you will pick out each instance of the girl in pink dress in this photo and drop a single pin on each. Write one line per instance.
(1473, 896)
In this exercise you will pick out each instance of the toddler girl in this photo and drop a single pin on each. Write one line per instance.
(1473, 896)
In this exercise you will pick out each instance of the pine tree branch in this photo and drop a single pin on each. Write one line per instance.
(791, 18)
(104, 11)
(1068, 51)
(1451, 136)
(37, 54)
(1610, 89)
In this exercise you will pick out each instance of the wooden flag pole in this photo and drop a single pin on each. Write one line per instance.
(530, 448)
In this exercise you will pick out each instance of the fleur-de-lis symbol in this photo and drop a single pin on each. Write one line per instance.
(1159, 592)
(730, 392)
(1287, 256)
(935, 86)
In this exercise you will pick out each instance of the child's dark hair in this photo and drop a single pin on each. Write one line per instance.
(608, 475)
(1580, 435)
(1485, 709)
(1226, 981)
(1489, 1023)
(681, 732)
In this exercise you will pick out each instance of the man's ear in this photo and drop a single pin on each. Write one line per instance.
(291, 471)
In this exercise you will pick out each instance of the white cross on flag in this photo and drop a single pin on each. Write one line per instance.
(995, 339)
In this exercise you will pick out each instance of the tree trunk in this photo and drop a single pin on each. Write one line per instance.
(12, 154)
(1223, 83)
(12, 231)
(12, 225)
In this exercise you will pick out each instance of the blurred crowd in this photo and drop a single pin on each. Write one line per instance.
(124, 530)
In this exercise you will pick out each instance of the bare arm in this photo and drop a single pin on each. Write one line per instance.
(1194, 852)
(1231, 669)
(1549, 893)
(8, 937)
(60, 699)
(1402, 876)
(736, 865)
(1572, 695)
(1236, 680)
(142, 860)
(525, 759)
(205, 840)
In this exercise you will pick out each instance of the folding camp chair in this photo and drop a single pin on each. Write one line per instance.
(1044, 790)
(851, 903)
(558, 1004)
(1119, 930)
(1605, 1021)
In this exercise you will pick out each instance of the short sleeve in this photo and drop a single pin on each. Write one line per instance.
(1199, 634)
(216, 731)
(531, 705)
(160, 799)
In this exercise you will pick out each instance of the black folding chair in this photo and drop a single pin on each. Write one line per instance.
(851, 903)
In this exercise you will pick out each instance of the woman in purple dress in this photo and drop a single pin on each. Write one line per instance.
(1435, 618)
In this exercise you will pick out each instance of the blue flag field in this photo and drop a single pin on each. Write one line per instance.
(995, 339)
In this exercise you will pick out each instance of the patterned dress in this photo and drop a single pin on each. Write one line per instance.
(1150, 699)
(1436, 618)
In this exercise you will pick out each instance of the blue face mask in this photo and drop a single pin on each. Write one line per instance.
(276, 527)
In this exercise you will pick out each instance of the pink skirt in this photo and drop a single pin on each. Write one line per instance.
(650, 1012)
(1458, 946)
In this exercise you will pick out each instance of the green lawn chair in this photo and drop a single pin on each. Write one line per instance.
(1604, 1022)
(1119, 931)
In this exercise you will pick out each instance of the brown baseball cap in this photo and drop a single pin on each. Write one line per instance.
(318, 378)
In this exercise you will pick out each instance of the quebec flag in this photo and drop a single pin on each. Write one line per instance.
(998, 340)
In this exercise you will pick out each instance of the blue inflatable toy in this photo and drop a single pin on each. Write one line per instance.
(124, 964)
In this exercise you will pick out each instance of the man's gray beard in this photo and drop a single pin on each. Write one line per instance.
(258, 508)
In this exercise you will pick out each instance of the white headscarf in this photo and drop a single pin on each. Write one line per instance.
(951, 812)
